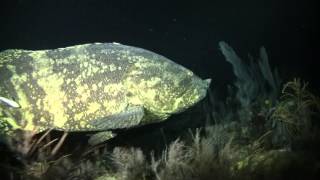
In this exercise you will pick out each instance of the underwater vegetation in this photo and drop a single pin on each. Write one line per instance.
(264, 129)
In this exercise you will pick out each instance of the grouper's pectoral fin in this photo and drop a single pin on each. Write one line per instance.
(100, 137)
(131, 117)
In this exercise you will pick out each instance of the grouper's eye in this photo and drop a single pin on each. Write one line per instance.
(9, 102)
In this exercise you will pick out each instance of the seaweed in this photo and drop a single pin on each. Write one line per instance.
(292, 116)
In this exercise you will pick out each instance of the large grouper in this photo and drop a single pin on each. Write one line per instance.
(92, 87)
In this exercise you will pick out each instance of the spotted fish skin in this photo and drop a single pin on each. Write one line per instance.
(67, 88)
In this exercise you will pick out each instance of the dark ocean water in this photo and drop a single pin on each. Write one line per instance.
(187, 32)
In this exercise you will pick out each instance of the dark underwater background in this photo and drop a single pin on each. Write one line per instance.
(187, 32)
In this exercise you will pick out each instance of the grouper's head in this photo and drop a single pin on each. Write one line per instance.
(168, 89)
(176, 98)
(190, 91)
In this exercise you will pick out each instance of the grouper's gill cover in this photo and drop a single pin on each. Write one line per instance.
(68, 88)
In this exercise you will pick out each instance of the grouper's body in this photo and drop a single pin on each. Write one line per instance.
(92, 87)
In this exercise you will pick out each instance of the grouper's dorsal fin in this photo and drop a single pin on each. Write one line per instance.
(9, 102)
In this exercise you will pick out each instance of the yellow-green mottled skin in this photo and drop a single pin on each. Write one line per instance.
(66, 88)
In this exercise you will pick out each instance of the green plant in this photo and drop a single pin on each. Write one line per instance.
(131, 164)
(292, 116)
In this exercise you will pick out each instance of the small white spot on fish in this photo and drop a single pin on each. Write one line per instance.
(9, 102)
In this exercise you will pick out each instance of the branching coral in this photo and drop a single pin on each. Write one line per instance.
(256, 83)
